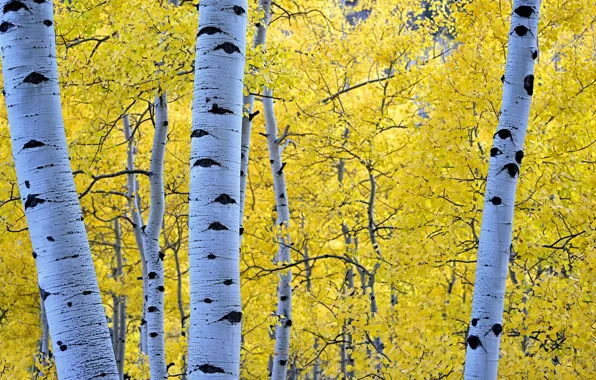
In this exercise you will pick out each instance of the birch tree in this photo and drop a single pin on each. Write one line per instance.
(486, 327)
(66, 276)
(214, 242)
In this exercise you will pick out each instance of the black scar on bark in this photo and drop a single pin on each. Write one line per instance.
(529, 84)
(521, 30)
(228, 47)
(50, 238)
(153, 334)
(206, 163)
(519, 156)
(503, 79)
(15, 6)
(496, 201)
(47, 22)
(211, 256)
(233, 317)
(494, 152)
(152, 275)
(512, 169)
(208, 368)
(209, 30)
(32, 201)
(283, 362)
(535, 54)
(497, 329)
(524, 11)
(283, 298)
(162, 255)
(219, 110)
(34, 255)
(241, 230)
(39, 1)
(225, 199)
(217, 226)
(35, 78)
(228, 282)
(281, 170)
(474, 321)
(27, 185)
(33, 144)
(289, 323)
(87, 292)
(198, 133)
(241, 173)
(151, 309)
(63, 347)
(160, 288)
(208, 300)
(44, 294)
(69, 304)
(504, 134)
(474, 342)
(143, 321)
(238, 10)
(252, 115)
(5, 26)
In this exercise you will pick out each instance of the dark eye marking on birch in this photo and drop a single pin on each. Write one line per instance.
(143, 321)
(252, 115)
(206, 163)
(228, 48)
(44, 294)
(160, 288)
(152, 275)
(497, 329)
(512, 169)
(217, 226)
(289, 323)
(209, 30)
(283, 298)
(27, 184)
(34, 255)
(494, 152)
(151, 309)
(238, 10)
(39, 1)
(524, 11)
(211, 256)
(228, 282)
(32, 201)
(208, 300)
(225, 199)
(35, 78)
(529, 84)
(63, 347)
(233, 317)
(521, 30)
(496, 201)
(5, 26)
(153, 334)
(208, 368)
(50, 238)
(69, 304)
(87, 292)
(15, 6)
(474, 342)
(283, 362)
(162, 256)
(504, 134)
(503, 78)
(33, 144)
(519, 156)
(535, 54)
(219, 110)
(47, 22)
(474, 321)
(198, 133)
(67, 257)
(281, 170)
(241, 230)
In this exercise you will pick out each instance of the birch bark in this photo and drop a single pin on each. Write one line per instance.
(154, 310)
(66, 276)
(214, 241)
(485, 328)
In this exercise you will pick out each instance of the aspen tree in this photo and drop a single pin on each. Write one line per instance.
(214, 241)
(66, 275)
(484, 334)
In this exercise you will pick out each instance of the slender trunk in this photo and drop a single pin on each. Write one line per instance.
(153, 257)
(248, 101)
(66, 276)
(120, 305)
(134, 207)
(485, 329)
(214, 241)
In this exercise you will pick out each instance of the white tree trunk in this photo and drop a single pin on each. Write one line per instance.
(485, 329)
(214, 241)
(284, 291)
(154, 311)
(76, 316)
(134, 207)
(249, 101)
(119, 304)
